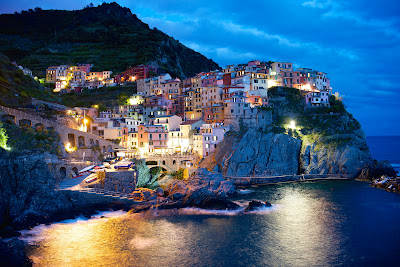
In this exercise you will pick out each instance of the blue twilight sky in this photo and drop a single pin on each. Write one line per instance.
(357, 42)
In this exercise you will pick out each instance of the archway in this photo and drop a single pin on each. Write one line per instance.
(75, 170)
(8, 118)
(71, 139)
(152, 162)
(25, 122)
(63, 172)
(81, 141)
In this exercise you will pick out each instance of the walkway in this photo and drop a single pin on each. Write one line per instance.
(74, 185)
(263, 180)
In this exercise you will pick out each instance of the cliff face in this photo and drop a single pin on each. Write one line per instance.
(259, 154)
(347, 160)
(27, 193)
(327, 140)
(268, 154)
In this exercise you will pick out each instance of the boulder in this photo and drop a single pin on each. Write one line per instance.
(254, 205)
(218, 204)
(160, 192)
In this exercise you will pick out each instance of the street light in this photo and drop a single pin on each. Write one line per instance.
(292, 125)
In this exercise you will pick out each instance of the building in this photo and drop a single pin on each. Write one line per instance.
(152, 139)
(318, 99)
(205, 142)
(137, 72)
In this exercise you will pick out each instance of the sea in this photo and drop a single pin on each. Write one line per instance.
(324, 223)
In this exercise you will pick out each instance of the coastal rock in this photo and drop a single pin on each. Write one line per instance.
(256, 154)
(376, 169)
(160, 192)
(12, 253)
(27, 193)
(260, 154)
(144, 194)
(202, 188)
(218, 204)
(254, 205)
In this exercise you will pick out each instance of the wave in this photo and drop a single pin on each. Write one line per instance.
(199, 211)
(245, 191)
(36, 233)
(395, 165)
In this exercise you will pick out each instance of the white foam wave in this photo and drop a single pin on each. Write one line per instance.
(245, 191)
(198, 211)
(265, 210)
(36, 233)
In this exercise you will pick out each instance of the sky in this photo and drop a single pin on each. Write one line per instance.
(356, 42)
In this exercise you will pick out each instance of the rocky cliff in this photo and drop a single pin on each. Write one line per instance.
(258, 154)
(326, 140)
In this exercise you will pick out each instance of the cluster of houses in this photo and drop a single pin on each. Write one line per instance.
(169, 115)
(67, 78)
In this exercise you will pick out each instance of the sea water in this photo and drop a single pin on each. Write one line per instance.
(325, 223)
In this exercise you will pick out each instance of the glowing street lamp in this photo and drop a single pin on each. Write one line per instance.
(292, 125)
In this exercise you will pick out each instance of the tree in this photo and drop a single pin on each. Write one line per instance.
(122, 98)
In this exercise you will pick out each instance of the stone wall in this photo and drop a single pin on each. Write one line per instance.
(123, 181)
(260, 120)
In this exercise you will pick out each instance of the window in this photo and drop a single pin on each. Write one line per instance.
(151, 136)
(232, 111)
(150, 143)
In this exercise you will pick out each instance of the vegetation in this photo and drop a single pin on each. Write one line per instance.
(108, 36)
(3, 137)
(329, 127)
(104, 97)
(25, 138)
(17, 89)
(178, 175)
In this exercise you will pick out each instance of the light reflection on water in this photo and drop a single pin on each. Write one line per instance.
(310, 224)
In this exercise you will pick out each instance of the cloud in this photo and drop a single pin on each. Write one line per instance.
(318, 4)
(228, 54)
(285, 41)
(337, 10)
